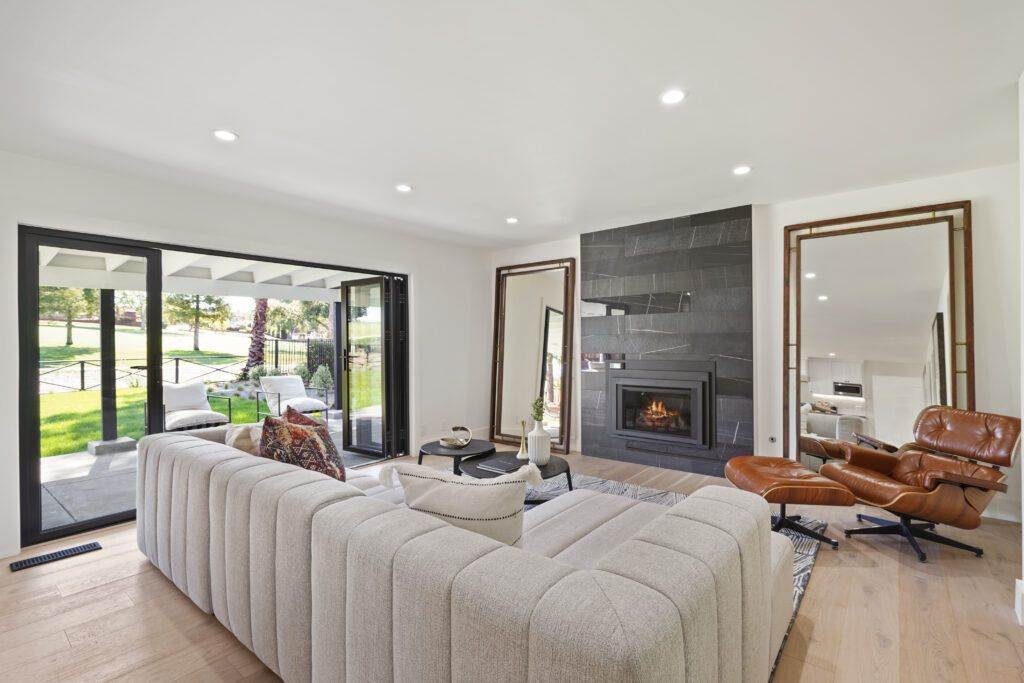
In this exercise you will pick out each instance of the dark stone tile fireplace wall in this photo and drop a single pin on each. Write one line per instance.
(670, 290)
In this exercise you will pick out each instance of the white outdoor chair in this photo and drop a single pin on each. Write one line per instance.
(287, 391)
(186, 406)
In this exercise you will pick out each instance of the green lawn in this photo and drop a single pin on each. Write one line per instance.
(130, 342)
(69, 420)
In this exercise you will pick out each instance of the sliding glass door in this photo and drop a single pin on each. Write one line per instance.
(89, 314)
(91, 338)
(362, 352)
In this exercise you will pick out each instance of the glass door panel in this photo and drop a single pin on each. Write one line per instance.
(86, 356)
(363, 380)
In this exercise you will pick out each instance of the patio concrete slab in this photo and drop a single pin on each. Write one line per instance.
(95, 496)
(54, 514)
(81, 486)
(72, 465)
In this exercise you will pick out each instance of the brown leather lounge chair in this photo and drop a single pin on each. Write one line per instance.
(947, 475)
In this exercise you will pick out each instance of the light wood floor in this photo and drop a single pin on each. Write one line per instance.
(871, 612)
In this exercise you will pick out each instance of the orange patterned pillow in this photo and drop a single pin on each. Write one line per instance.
(297, 418)
(309, 447)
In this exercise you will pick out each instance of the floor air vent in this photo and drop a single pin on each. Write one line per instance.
(53, 557)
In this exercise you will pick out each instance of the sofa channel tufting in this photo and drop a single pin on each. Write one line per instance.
(331, 581)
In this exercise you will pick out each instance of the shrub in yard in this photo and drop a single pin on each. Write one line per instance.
(322, 379)
(257, 371)
(303, 372)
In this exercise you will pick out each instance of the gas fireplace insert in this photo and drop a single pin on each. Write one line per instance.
(672, 406)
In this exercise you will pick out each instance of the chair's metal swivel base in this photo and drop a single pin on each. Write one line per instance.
(910, 530)
(792, 522)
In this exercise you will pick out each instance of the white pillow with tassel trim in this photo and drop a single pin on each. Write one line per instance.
(492, 507)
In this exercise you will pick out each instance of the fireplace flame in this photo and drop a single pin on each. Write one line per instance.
(658, 417)
(657, 409)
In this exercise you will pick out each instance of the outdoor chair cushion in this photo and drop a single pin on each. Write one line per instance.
(183, 419)
(303, 404)
(188, 396)
(282, 388)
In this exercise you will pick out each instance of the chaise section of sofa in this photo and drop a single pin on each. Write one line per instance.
(326, 583)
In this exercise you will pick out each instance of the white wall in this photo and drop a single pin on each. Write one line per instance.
(879, 368)
(449, 370)
(567, 248)
(994, 194)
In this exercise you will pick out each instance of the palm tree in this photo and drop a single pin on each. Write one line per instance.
(256, 336)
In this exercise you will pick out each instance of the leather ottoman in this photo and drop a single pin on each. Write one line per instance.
(782, 481)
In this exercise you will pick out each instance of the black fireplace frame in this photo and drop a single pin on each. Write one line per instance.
(655, 375)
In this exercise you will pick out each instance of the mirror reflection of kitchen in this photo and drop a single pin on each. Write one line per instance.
(875, 341)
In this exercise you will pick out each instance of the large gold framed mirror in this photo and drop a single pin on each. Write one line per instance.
(533, 318)
(878, 323)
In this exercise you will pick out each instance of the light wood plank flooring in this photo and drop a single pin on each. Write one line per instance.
(871, 612)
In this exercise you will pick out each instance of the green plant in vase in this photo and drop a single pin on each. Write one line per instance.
(538, 441)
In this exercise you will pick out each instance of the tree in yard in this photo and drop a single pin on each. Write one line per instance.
(283, 318)
(132, 301)
(257, 336)
(68, 303)
(196, 311)
(310, 317)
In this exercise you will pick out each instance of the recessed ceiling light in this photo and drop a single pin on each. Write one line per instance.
(810, 276)
(831, 355)
(402, 187)
(823, 297)
(673, 96)
(742, 170)
(225, 135)
(511, 220)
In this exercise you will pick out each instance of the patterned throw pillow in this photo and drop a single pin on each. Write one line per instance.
(297, 418)
(308, 447)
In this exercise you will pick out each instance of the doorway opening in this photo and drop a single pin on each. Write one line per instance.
(118, 338)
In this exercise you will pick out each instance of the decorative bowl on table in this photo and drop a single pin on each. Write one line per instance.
(460, 438)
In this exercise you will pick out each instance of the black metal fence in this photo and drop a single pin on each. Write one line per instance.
(280, 354)
(284, 354)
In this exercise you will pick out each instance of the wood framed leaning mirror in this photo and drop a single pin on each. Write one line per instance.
(879, 322)
(533, 318)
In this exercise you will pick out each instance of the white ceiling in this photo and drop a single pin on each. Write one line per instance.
(548, 111)
(883, 292)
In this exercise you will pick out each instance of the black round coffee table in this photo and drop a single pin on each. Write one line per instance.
(476, 447)
(553, 468)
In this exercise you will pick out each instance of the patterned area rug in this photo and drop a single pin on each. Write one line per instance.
(806, 549)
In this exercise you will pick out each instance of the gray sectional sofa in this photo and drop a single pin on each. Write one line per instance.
(332, 581)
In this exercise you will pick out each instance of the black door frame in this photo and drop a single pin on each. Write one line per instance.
(396, 331)
(29, 241)
(346, 438)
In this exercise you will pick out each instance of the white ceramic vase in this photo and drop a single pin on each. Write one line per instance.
(539, 444)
